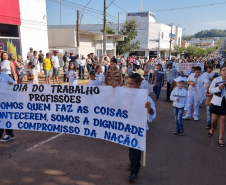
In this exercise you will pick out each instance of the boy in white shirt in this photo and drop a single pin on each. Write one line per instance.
(196, 82)
(179, 96)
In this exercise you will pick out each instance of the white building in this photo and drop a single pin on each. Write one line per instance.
(196, 41)
(23, 25)
(154, 37)
(64, 39)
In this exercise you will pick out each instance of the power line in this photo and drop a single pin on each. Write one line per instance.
(198, 6)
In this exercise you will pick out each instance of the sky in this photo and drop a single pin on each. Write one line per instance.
(192, 20)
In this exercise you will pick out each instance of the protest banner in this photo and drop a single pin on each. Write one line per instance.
(186, 67)
(112, 114)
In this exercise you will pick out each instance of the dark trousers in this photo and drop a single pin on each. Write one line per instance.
(135, 157)
(106, 69)
(157, 91)
(81, 71)
(89, 67)
(7, 131)
(168, 91)
(66, 78)
(134, 67)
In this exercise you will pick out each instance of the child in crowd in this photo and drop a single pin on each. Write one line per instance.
(179, 96)
(6, 79)
(209, 74)
(123, 72)
(32, 76)
(134, 81)
(65, 68)
(72, 74)
(158, 80)
(208, 104)
(192, 70)
(99, 75)
(92, 78)
(196, 82)
(129, 68)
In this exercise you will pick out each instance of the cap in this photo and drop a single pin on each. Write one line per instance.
(31, 48)
(55, 51)
(140, 72)
(10, 54)
(169, 62)
(179, 79)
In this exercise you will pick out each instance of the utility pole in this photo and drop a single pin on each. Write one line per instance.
(171, 35)
(118, 23)
(77, 33)
(104, 34)
(60, 14)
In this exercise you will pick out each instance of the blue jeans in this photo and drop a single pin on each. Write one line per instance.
(209, 115)
(178, 113)
(134, 67)
(81, 71)
(157, 91)
(106, 68)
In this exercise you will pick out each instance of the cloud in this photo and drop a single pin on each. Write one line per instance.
(220, 23)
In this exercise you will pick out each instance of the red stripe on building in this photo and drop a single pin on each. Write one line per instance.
(10, 12)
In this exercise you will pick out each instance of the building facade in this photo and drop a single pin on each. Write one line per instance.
(23, 24)
(64, 39)
(154, 37)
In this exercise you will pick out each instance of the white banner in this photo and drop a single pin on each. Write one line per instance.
(186, 67)
(113, 114)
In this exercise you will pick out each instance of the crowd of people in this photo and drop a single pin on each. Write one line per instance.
(143, 73)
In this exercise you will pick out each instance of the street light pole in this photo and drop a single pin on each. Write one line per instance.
(170, 41)
(104, 33)
(118, 22)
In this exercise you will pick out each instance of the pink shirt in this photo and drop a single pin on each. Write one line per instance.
(15, 67)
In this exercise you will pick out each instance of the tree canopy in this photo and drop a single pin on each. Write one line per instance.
(108, 30)
(126, 46)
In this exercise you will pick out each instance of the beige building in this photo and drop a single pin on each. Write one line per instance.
(64, 39)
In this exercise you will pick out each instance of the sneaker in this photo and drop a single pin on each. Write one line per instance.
(176, 132)
(196, 118)
(186, 117)
(208, 126)
(181, 132)
(157, 99)
(7, 138)
(167, 100)
(132, 177)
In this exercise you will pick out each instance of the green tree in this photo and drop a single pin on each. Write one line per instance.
(126, 46)
(191, 50)
(187, 37)
(108, 30)
(177, 50)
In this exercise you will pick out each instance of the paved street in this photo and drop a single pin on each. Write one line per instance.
(52, 159)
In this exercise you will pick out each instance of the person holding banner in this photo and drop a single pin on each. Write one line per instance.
(218, 105)
(113, 76)
(6, 79)
(158, 80)
(72, 74)
(134, 81)
(195, 92)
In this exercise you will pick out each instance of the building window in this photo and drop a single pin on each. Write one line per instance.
(7, 30)
(179, 41)
(162, 35)
(138, 53)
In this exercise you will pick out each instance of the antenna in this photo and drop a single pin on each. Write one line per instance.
(141, 5)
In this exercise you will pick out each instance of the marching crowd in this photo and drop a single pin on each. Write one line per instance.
(144, 73)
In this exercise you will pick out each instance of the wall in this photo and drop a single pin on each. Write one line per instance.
(87, 45)
(62, 38)
(33, 29)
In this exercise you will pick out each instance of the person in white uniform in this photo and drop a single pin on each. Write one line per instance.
(179, 96)
(196, 82)
(72, 74)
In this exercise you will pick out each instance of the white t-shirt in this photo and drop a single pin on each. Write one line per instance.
(55, 61)
(82, 62)
(100, 78)
(5, 66)
(209, 75)
(94, 82)
(4, 78)
(30, 54)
